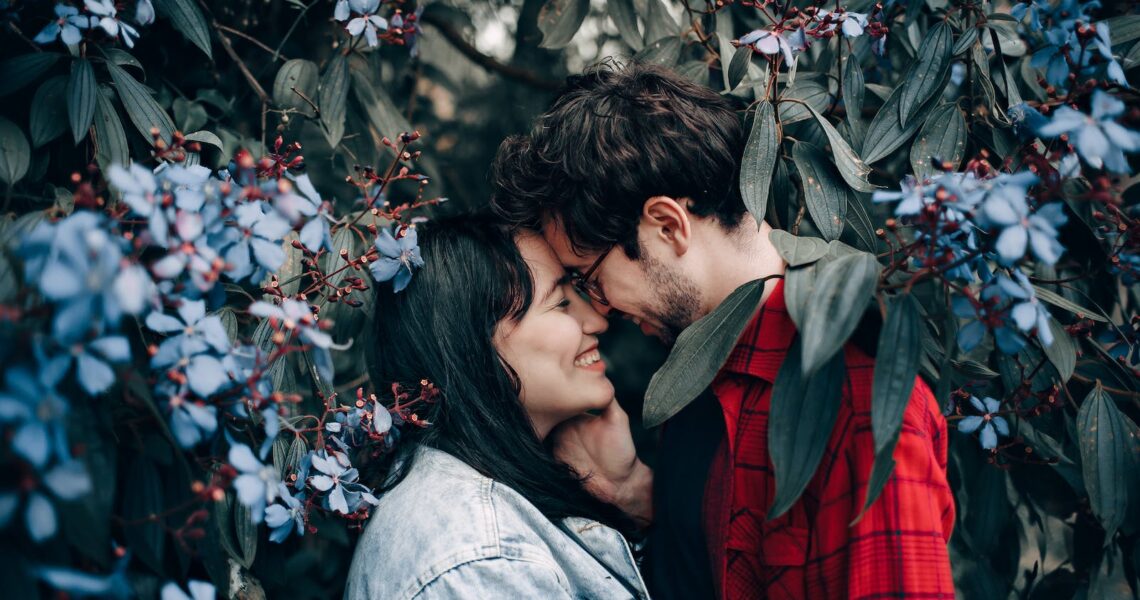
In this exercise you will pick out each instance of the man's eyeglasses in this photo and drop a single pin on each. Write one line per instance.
(585, 284)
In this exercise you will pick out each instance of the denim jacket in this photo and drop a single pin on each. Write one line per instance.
(447, 531)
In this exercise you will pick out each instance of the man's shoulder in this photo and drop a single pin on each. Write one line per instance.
(922, 410)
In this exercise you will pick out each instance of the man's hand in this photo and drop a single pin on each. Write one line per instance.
(601, 449)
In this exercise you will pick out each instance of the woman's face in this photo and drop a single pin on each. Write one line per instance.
(553, 348)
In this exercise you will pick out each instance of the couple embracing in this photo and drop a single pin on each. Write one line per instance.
(624, 201)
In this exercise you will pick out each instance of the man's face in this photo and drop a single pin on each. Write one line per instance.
(649, 291)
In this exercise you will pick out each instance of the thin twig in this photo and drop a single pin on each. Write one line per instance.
(229, 48)
(292, 28)
(255, 41)
(455, 37)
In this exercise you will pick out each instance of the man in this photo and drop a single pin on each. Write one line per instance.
(632, 177)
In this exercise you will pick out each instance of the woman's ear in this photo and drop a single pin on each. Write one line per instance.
(666, 221)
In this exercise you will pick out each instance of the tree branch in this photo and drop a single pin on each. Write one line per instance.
(455, 37)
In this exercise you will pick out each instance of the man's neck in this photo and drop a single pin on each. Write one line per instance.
(744, 255)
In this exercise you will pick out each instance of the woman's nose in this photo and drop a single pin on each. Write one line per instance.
(588, 314)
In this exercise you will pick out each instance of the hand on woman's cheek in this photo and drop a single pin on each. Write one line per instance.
(553, 347)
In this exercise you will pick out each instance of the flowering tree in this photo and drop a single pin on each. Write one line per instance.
(184, 395)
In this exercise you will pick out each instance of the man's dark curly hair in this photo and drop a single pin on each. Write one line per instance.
(616, 136)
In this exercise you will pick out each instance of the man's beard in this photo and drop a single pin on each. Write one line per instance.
(677, 302)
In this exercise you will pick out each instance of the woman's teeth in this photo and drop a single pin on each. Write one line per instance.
(588, 358)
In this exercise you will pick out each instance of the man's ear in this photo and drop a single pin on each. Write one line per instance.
(666, 220)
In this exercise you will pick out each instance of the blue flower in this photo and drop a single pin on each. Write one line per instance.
(67, 26)
(108, 20)
(1099, 139)
(296, 207)
(398, 258)
(368, 23)
(256, 483)
(144, 12)
(94, 360)
(851, 23)
(770, 43)
(191, 350)
(1051, 57)
(258, 235)
(190, 421)
(1026, 120)
(38, 412)
(67, 481)
(284, 519)
(1027, 312)
(989, 425)
(338, 478)
(1004, 206)
(1033, 8)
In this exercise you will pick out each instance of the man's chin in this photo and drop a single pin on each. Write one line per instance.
(665, 335)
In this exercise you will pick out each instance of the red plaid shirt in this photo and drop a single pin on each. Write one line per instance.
(897, 550)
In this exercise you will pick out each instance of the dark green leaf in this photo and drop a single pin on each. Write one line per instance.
(797, 250)
(698, 354)
(658, 22)
(300, 75)
(738, 67)
(110, 139)
(189, 115)
(206, 137)
(81, 92)
(188, 19)
(559, 20)
(760, 156)
(289, 275)
(1061, 302)
(123, 58)
(842, 290)
(802, 417)
(334, 98)
(695, 71)
(245, 534)
(881, 470)
(1105, 462)
(886, 134)
(1044, 446)
(967, 39)
(852, 168)
(141, 108)
(824, 191)
(810, 93)
(859, 222)
(15, 153)
(624, 16)
(986, 503)
(1123, 29)
(222, 516)
(853, 89)
(664, 52)
(925, 75)
(383, 116)
(142, 502)
(1063, 351)
(18, 71)
(48, 119)
(896, 366)
(943, 136)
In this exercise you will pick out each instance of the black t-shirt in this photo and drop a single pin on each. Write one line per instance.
(676, 561)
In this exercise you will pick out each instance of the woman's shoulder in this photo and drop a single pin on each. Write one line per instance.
(443, 515)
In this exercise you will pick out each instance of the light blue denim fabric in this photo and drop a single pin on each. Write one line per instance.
(448, 532)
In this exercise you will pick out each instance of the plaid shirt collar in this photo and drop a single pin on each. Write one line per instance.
(761, 347)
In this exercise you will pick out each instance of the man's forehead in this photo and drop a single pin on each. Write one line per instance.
(555, 235)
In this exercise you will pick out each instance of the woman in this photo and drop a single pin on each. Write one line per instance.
(475, 505)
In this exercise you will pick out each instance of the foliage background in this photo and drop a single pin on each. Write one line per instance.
(1028, 527)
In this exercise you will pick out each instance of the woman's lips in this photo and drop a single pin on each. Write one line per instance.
(591, 360)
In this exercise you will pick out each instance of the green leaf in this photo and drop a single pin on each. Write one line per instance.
(886, 134)
(664, 52)
(122, 58)
(624, 16)
(299, 74)
(738, 67)
(925, 75)
(824, 191)
(289, 275)
(658, 22)
(943, 136)
(965, 41)
(141, 500)
(1060, 301)
(809, 93)
(695, 71)
(842, 290)
(1062, 352)
(760, 155)
(559, 20)
(383, 116)
(245, 534)
(141, 108)
(852, 168)
(854, 89)
(81, 92)
(802, 416)
(860, 223)
(19, 71)
(1044, 446)
(1105, 445)
(110, 139)
(896, 365)
(189, 115)
(698, 354)
(15, 153)
(48, 118)
(206, 137)
(188, 19)
(1123, 29)
(334, 98)
(797, 250)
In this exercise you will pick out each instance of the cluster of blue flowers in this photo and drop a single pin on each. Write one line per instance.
(1063, 38)
(790, 42)
(178, 232)
(70, 23)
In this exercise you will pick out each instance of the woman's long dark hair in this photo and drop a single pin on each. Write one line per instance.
(440, 328)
